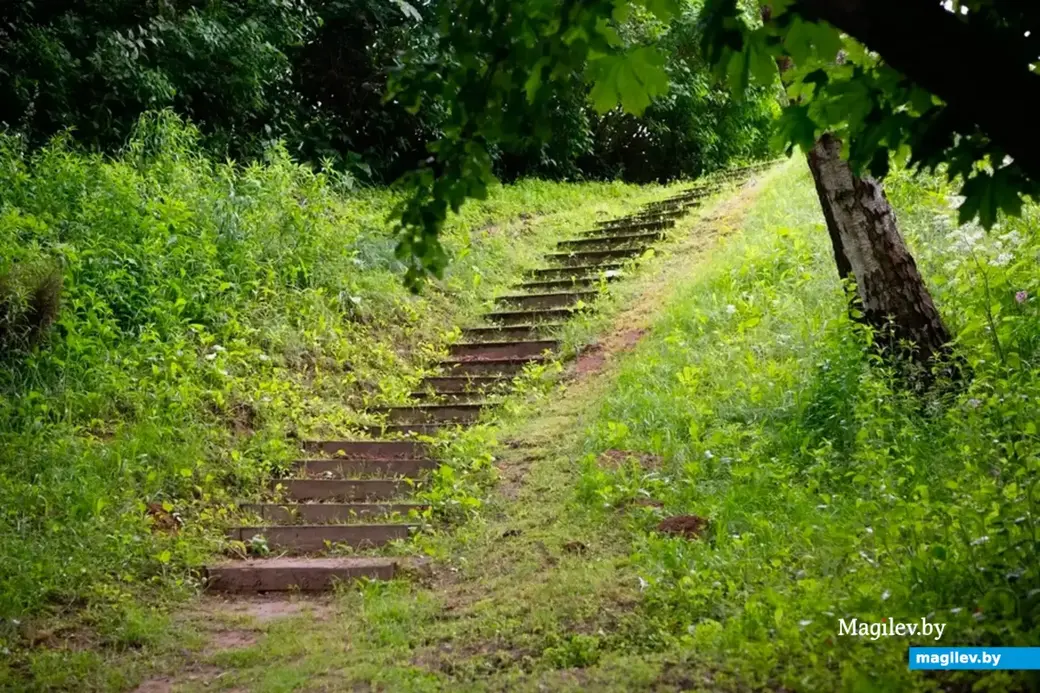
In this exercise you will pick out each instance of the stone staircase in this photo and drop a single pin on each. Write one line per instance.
(350, 495)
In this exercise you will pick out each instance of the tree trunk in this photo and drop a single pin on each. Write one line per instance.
(869, 249)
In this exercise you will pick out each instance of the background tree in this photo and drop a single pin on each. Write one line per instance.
(95, 65)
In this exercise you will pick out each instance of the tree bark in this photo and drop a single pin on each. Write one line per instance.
(869, 249)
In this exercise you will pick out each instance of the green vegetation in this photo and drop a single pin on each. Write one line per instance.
(209, 315)
(313, 73)
(830, 492)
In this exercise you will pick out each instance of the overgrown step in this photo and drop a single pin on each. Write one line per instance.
(627, 227)
(576, 271)
(343, 489)
(436, 413)
(345, 468)
(504, 333)
(466, 351)
(526, 317)
(618, 240)
(593, 257)
(640, 217)
(560, 299)
(492, 366)
(283, 573)
(411, 429)
(319, 513)
(576, 283)
(434, 396)
(466, 384)
(368, 449)
(316, 538)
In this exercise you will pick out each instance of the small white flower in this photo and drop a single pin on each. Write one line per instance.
(1002, 260)
(804, 622)
(643, 584)
(708, 454)
(885, 595)
(731, 309)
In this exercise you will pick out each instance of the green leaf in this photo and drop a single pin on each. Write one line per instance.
(663, 9)
(633, 78)
(795, 128)
(760, 58)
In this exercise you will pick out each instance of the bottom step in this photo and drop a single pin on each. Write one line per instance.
(305, 574)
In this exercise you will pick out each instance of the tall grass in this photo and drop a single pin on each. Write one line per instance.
(209, 314)
(832, 492)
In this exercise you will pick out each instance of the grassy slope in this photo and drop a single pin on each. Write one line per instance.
(208, 315)
(752, 402)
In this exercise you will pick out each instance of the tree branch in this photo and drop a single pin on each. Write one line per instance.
(977, 71)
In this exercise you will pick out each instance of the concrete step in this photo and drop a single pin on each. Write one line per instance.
(560, 299)
(580, 271)
(678, 208)
(463, 383)
(499, 333)
(618, 240)
(528, 317)
(346, 468)
(368, 449)
(625, 227)
(443, 397)
(593, 257)
(466, 351)
(484, 367)
(320, 513)
(435, 413)
(343, 489)
(317, 538)
(640, 217)
(283, 573)
(577, 283)
(393, 430)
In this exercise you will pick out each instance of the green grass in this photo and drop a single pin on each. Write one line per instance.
(831, 493)
(210, 314)
(754, 402)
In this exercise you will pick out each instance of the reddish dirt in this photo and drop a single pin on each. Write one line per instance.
(266, 608)
(162, 521)
(689, 526)
(594, 357)
(590, 360)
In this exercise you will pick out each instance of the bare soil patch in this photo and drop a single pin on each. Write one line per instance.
(689, 526)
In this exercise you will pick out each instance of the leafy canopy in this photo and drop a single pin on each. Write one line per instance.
(836, 84)
(508, 57)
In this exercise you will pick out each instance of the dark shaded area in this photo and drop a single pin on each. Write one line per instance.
(313, 73)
